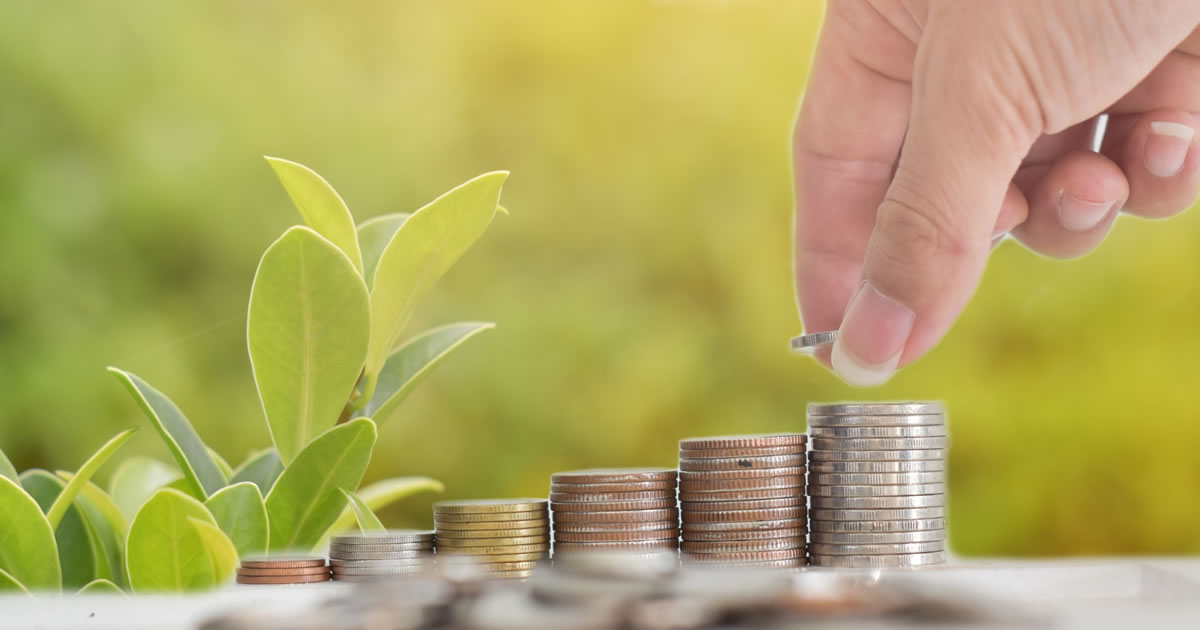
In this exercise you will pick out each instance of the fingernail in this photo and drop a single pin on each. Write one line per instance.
(1078, 215)
(871, 338)
(1167, 148)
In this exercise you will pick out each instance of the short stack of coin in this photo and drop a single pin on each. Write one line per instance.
(877, 484)
(282, 570)
(378, 555)
(505, 537)
(621, 510)
(742, 499)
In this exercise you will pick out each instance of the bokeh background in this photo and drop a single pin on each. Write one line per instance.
(642, 284)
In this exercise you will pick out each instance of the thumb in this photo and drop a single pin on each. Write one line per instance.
(933, 231)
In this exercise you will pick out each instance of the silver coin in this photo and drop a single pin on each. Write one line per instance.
(875, 409)
(341, 577)
(390, 536)
(808, 343)
(826, 549)
(339, 547)
(856, 538)
(875, 479)
(916, 465)
(376, 570)
(936, 430)
(378, 555)
(879, 562)
(744, 526)
(912, 420)
(876, 527)
(878, 444)
(877, 491)
(876, 456)
(878, 503)
(399, 562)
(898, 514)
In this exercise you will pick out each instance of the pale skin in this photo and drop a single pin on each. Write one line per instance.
(932, 129)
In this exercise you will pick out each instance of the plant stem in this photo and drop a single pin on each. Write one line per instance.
(360, 398)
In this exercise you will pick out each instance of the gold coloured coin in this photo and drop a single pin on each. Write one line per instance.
(491, 533)
(500, 550)
(445, 526)
(445, 543)
(441, 520)
(488, 506)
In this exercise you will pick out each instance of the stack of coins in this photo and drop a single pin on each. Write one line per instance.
(742, 499)
(282, 570)
(505, 537)
(877, 480)
(625, 510)
(379, 555)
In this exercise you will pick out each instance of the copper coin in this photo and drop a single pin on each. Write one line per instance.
(878, 527)
(739, 516)
(610, 516)
(628, 486)
(741, 463)
(746, 526)
(746, 473)
(283, 579)
(764, 451)
(743, 546)
(613, 475)
(747, 556)
(492, 533)
(758, 483)
(799, 500)
(288, 571)
(498, 550)
(488, 506)
(283, 562)
(742, 495)
(567, 547)
(444, 526)
(765, 534)
(440, 518)
(609, 497)
(584, 528)
(657, 534)
(743, 441)
(615, 506)
(445, 543)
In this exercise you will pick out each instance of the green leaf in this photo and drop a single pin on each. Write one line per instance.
(427, 245)
(135, 479)
(305, 500)
(381, 494)
(107, 524)
(226, 469)
(7, 469)
(10, 583)
(374, 235)
(89, 468)
(164, 551)
(412, 362)
(367, 521)
(78, 554)
(261, 469)
(220, 550)
(100, 586)
(27, 550)
(240, 512)
(320, 205)
(307, 332)
(182, 440)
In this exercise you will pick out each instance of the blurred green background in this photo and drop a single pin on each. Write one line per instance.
(642, 284)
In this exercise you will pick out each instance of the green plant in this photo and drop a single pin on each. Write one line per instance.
(328, 308)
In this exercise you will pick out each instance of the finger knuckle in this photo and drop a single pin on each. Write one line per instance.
(922, 233)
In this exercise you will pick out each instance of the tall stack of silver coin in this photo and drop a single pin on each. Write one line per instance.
(626, 510)
(742, 500)
(877, 484)
(371, 556)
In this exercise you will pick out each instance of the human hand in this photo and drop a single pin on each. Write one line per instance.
(932, 128)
